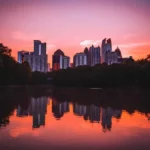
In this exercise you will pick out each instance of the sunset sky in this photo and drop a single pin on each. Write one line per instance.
(71, 25)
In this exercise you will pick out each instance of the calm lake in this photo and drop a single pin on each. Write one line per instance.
(75, 119)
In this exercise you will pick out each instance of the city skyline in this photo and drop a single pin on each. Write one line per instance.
(91, 56)
(73, 25)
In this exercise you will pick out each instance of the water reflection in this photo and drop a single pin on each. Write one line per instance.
(89, 112)
(107, 115)
(92, 113)
(59, 109)
(37, 108)
(87, 119)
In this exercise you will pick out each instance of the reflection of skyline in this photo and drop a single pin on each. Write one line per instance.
(59, 109)
(107, 114)
(92, 113)
(37, 109)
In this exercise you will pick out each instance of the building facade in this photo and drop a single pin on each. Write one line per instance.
(107, 55)
(80, 59)
(114, 57)
(86, 52)
(105, 48)
(111, 58)
(60, 61)
(94, 55)
(38, 59)
(65, 62)
(103, 51)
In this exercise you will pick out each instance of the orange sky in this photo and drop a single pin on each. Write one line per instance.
(72, 25)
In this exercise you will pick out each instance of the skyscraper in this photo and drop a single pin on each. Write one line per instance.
(39, 48)
(60, 61)
(109, 45)
(86, 52)
(94, 55)
(56, 58)
(39, 57)
(80, 59)
(23, 56)
(109, 56)
(103, 51)
(38, 60)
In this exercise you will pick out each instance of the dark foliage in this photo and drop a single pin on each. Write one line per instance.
(12, 72)
(126, 74)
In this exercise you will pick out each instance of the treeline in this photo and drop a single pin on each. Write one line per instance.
(131, 73)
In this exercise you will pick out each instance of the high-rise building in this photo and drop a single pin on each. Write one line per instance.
(56, 58)
(38, 60)
(39, 48)
(39, 57)
(94, 55)
(109, 45)
(23, 56)
(107, 55)
(106, 47)
(65, 62)
(103, 51)
(80, 59)
(86, 52)
(60, 61)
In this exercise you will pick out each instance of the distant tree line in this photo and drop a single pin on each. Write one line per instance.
(129, 73)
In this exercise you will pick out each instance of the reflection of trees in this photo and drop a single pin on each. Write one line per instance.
(6, 110)
(4, 122)
(37, 109)
(129, 99)
(148, 115)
